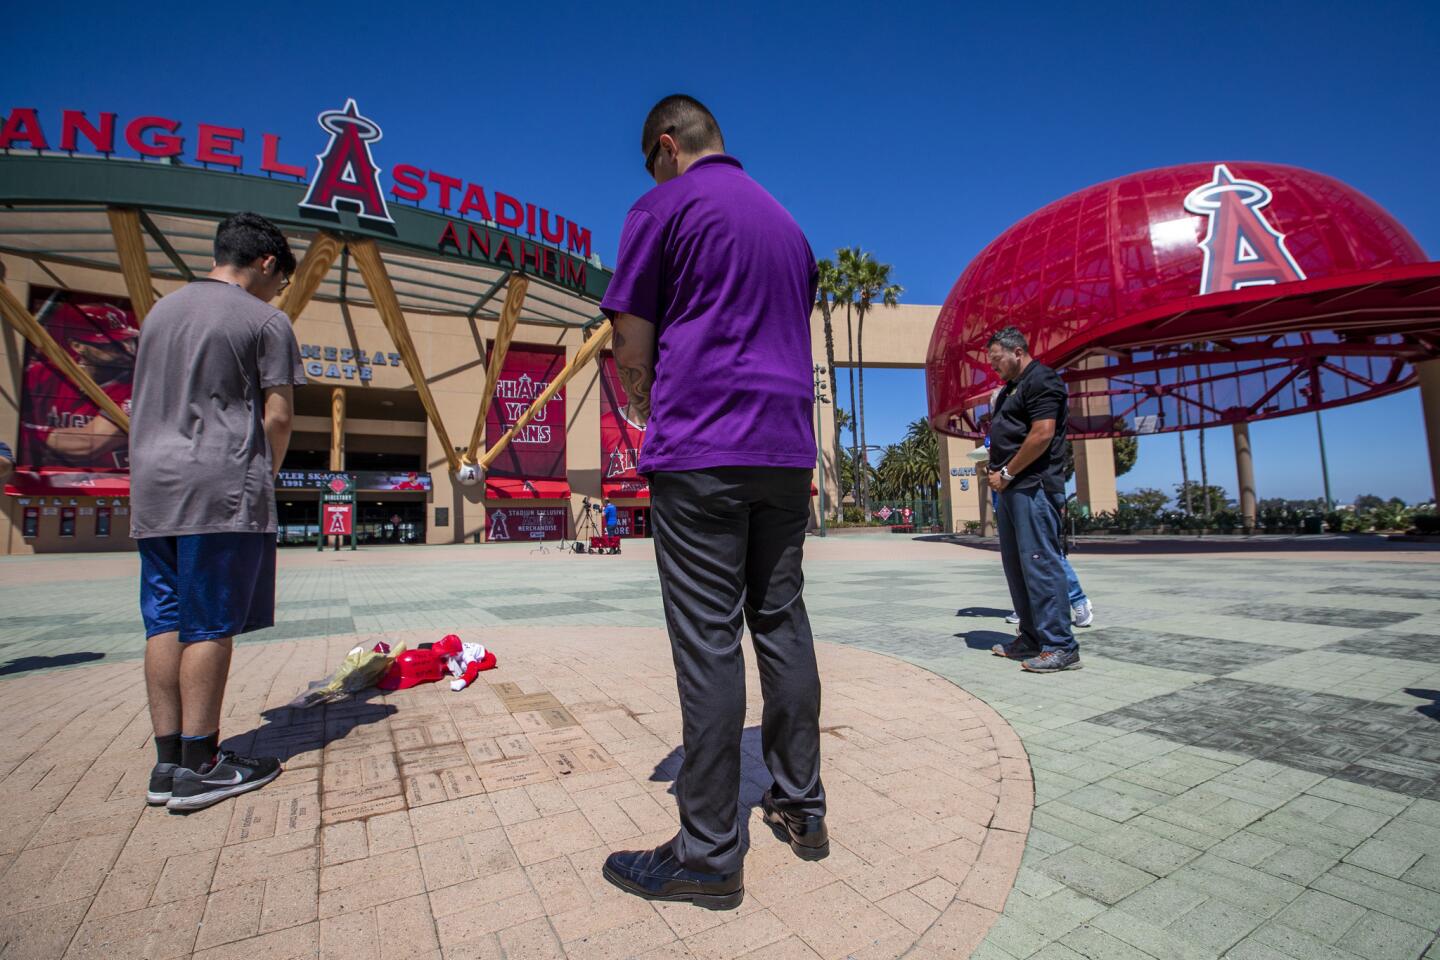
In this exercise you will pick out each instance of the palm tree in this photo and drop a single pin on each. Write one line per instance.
(826, 292)
(1185, 475)
(845, 290)
(910, 469)
(1204, 473)
(849, 475)
(1184, 460)
(926, 448)
(870, 280)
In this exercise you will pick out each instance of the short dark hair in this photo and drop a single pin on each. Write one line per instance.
(243, 238)
(688, 121)
(1008, 337)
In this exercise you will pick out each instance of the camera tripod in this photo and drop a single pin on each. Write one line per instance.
(586, 528)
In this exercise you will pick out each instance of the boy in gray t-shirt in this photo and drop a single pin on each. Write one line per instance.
(211, 420)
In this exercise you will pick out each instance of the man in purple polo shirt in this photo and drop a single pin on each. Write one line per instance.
(710, 303)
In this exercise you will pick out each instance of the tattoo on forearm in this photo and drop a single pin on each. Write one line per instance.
(637, 382)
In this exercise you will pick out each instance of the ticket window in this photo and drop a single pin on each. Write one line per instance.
(67, 522)
(31, 524)
(102, 521)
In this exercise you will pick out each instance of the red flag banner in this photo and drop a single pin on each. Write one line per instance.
(339, 519)
(534, 463)
(620, 437)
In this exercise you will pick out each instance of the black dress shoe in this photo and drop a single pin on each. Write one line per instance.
(807, 836)
(657, 875)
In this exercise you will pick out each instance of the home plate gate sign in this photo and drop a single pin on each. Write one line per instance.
(337, 510)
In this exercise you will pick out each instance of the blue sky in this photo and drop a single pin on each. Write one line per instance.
(918, 131)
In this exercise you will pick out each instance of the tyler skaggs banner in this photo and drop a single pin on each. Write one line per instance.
(620, 436)
(538, 450)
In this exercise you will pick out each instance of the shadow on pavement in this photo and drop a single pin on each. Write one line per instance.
(288, 731)
(754, 776)
(1431, 709)
(1319, 543)
(982, 612)
(985, 639)
(26, 664)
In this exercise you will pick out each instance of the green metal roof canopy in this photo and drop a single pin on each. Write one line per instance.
(53, 208)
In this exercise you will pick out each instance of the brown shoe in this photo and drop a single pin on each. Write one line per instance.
(1014, 651)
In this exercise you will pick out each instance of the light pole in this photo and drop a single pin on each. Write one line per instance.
(821, 382)
(862, 461)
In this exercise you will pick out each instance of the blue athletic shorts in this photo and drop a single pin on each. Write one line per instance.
(208, 585)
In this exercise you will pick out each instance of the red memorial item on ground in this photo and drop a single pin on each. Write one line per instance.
(413, 667)
(465, 661)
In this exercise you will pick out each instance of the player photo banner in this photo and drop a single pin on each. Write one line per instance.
(620, 436)
(65, 440)
(537, 453)
(523, 524)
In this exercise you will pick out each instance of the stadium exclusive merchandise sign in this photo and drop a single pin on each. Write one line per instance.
(507, 524)
(337, 510)
(621, 436)
(533, 465)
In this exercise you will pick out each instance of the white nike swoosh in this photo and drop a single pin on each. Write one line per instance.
(226, 783)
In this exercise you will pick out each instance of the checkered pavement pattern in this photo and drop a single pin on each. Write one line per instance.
(1248, 765)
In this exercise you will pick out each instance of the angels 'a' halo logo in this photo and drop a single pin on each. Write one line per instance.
(499, 526)
(1241, 248)
(346, 172)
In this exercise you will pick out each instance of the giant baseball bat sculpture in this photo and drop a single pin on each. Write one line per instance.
(587, 353)
(504, 333)
(382, 293)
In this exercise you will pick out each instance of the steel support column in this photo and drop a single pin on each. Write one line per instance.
(1245, 475)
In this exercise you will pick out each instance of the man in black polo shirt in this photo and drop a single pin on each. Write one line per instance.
(1027, 467)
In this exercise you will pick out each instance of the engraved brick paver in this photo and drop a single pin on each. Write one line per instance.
(1248, 767)
(433, 823)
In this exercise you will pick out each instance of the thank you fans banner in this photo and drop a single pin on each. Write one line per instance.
(533, 465)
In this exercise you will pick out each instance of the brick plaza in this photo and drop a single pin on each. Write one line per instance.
(1248, 766)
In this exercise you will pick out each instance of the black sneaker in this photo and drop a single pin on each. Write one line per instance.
(1052, 661)
(162, 781)
(229, 775)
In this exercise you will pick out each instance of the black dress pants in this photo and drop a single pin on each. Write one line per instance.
(729, 543)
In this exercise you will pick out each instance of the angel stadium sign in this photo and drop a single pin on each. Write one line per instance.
(345, 176)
